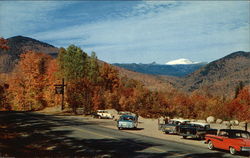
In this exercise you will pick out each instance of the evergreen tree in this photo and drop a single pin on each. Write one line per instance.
(238, 89)
(93, 68)
(72, 63)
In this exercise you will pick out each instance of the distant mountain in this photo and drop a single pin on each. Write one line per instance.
(18, 45)
(151, 82)
(220, 76)
(157, 69)
(181, 62)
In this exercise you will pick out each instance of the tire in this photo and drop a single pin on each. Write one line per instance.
(232, 150)
(184, 137)
(210, 145)
(119, 128)
(201, 138)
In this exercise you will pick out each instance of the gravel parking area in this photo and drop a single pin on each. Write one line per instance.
(149, 127)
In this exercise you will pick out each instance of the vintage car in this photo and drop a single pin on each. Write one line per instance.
(127, 121)
(228, 139)
(173, 125)
(196, 130)
(103, 114)
(120, 113)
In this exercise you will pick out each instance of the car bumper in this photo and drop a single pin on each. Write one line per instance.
(127, 126)
(245, 149)
(169, 131)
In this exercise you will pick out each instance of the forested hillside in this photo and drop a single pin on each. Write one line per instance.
(18, 45)
(221, 76)
(93, 85)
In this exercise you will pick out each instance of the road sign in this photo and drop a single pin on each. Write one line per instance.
(59, 89)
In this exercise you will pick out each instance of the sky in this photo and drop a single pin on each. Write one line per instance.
(134, 31)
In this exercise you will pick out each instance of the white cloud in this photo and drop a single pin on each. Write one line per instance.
(20, 17)
(161, 31)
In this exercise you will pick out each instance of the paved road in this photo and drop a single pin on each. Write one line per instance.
(38, 135)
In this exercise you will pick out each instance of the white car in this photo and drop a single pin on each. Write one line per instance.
(104, 114)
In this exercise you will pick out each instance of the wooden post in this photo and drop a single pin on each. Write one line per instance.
(63, 93)
(60, 90)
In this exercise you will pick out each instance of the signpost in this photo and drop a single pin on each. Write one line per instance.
(59, 89)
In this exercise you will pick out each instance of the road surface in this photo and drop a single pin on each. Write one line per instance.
(27, 134)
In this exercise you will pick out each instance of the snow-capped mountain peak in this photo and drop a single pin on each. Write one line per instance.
(181, 61)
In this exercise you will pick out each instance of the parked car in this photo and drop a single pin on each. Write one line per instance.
(173, 125)
(127, 121)
(120, 113)
(103, 114)
(196, 130)
(228, 139)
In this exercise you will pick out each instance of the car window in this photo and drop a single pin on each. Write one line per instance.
(223, 133)
(245, 135)
(240, 135)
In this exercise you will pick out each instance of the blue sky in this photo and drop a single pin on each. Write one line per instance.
(134, 31)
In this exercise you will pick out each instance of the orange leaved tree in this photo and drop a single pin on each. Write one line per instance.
(29, 81)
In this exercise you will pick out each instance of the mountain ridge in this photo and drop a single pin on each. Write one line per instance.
(179, 70)
(219, 75)
(20, 44)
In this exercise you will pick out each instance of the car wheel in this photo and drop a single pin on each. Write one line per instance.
(210, 145)
(119, 128)
(184, 137)
(232, 150)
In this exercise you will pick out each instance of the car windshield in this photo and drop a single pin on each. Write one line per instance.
(240, 134)
(127, 118)
(207, 126)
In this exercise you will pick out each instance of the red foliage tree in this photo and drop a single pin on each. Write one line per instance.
(239, 108)
(51, 77)
(3, 44)
(79, 95)
(109, 77)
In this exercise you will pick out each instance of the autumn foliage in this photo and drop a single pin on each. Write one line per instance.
(93, 85)
(3, 44)
(29, 82)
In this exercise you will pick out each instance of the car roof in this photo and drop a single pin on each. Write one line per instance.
(180, 120)
(124, 112)
(233, 130)
(127, 116)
